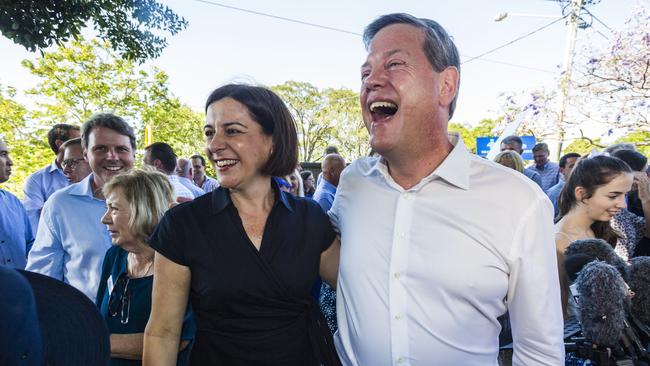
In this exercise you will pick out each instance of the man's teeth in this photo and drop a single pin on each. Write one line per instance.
(113, 168)
(375, 105)
(221, 163)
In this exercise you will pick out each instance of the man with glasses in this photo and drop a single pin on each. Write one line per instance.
(42, 183)
(71, 241)
(75, 167)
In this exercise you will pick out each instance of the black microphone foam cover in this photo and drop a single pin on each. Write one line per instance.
(640, 283)
(574, 263)
(598, 249)
(603, 303)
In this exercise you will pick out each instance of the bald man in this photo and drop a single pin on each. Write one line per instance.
(332, 166)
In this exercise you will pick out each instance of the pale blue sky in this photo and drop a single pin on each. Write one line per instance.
(222, 45)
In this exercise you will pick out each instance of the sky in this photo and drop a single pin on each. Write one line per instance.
(223, 45)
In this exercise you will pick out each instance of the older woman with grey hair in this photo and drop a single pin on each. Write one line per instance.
(135, 203)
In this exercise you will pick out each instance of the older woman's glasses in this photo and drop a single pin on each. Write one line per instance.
(71, 163)
(120, 304)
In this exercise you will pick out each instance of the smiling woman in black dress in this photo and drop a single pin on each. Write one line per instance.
(246, 254)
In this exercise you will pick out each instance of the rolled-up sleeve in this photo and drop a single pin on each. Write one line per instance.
(534, 290)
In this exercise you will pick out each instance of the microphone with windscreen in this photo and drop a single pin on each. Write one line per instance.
(603, 303)
(640, 285)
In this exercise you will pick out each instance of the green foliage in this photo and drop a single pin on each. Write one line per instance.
(469, 134)
(84, 78)
(641, 139)
(131, 26)
(28, 147)
(582, 146)
(325, 117)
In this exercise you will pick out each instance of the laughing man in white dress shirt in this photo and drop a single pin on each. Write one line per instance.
(436, 242)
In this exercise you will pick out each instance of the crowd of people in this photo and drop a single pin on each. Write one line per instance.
(412, 256)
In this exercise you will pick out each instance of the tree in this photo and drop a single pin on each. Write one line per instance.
(609, 93)
(324, 117)
(128, 25)
(85, 77)
(469, 134)
(616, 78)
(27, 152)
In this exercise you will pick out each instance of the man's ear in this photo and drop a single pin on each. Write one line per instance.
(58, 143)
(448, 85)
(158, 164)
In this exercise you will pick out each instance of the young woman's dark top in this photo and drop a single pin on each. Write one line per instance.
(251, 308)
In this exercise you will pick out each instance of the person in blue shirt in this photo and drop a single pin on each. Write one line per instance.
(567, 162)
(135, 203)
(16, 236)
(71, 241)
(44, 182)
(333, 165)
(199, 177)
(184, 173)
(514, 143)
(548, 170)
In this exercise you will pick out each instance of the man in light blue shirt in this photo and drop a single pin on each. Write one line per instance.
(567, 162)
(333, 165)
(514, 143)
(200, 179)
(71, 241)
(45, 181)
(184, 172)
(15, 233)
(548, 171)
(162, 157)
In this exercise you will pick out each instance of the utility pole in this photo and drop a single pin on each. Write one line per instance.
(574, 19)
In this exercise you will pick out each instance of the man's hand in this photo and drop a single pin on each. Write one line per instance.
(643, 183)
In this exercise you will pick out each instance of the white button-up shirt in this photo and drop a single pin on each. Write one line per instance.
(425, 272)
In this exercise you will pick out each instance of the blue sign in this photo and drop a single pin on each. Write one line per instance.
(484, 144)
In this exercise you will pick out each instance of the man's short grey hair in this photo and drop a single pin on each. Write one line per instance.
(184, 165)
(437, 46)
(620, 146)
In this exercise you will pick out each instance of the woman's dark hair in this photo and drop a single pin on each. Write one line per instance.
(267, 109)
(634, 159)
(590, 174)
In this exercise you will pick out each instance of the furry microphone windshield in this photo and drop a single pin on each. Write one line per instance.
(603, 303)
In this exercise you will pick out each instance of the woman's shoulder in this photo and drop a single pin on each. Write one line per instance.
(115, 254)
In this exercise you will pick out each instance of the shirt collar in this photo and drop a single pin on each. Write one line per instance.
(53, 167)
(327, 186)
(455, 169)
(221, 198)
(83, 188)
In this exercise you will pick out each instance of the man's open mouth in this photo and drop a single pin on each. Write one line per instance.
(383, 110)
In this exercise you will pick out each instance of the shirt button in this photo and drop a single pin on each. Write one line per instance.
(397, 275)
(398, 317)
(400, 360)
(406, 195)
(401, 235)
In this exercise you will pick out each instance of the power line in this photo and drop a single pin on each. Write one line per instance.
(513, 41)
(597, 19)
(514, 65)
(279, 17)
(302, 22)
